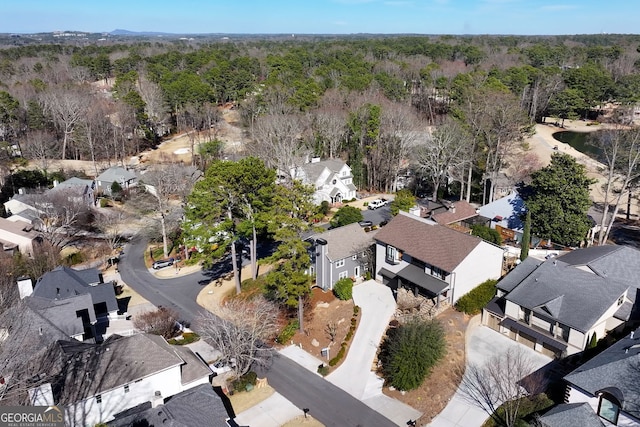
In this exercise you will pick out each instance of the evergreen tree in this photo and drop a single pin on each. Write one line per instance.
(526, 237)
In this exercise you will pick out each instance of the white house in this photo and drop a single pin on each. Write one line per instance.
(558, 305)
(96, 381)
(331, 179)
(609, 383)
(433, 260)
(17, 235)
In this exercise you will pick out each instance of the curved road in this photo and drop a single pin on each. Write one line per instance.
(327, 403)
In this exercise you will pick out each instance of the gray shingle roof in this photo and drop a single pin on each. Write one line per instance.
(62, 313)
(427, 241)
(64, 282)
(199, 406)
(571, 414)
(518, 274)
(117, 361)
(116, 174)
(617, 367)
(193, 369)
(342, 242)
(573, 297)
(313, 170)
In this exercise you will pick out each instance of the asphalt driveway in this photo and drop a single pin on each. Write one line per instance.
(355, 375)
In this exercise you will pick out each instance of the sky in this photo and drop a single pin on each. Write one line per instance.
(517, 17)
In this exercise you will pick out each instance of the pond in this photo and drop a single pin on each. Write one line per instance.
(579, 141)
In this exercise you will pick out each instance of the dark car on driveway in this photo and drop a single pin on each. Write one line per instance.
(162, 263)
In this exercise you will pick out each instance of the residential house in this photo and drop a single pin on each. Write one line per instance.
(557, 305)
(125, 178)
(19, 203)
(76, 189)
(17, 235)
(332, 180)
(458, 214)
(610, 383)
(570, 414)
(94, 382)
(78, 302)
(341, 252)
(433, 260)
(506, 215)
(198, 406)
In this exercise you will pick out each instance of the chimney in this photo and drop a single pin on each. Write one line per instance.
(25, 287)
(157, 399)
(452, 208)
(415, 210)
(55, 183)
(21, 190)
(631, 336)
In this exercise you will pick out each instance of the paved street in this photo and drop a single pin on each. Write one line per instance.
(327, 403)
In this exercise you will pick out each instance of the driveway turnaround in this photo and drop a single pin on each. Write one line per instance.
(482, 344)
(355, 375)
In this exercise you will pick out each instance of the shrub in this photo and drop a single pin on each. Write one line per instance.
(104, 203)
(343, 289)
(323, 370)
(410, 351)
(324, 208)
(241, 383)
(486, 233)
(473, 302)
(346, 215)
(288, 331)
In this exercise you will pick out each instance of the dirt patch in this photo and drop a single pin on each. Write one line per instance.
(325, 312)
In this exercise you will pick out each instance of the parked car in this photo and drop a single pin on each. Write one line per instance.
(365, 223)
(377, 203)
(220, 367)
(162, 263)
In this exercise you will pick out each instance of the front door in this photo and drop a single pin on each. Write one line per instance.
(356, 272)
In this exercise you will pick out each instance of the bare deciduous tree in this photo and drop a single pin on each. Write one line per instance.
(239, 329)
(278, 140)
(40, 146)
(445, 152)
(67, 107)
(170, 184)
(162, 321)
(505, 379)
(61, 213)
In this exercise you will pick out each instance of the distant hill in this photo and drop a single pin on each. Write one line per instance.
(120, 32)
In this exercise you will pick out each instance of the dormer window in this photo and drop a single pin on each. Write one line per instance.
(609, 408)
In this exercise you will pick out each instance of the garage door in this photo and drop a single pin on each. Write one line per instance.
(493, 322)
(527, 340)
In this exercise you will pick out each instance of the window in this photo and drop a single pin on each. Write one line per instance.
(340, 263)
(393, 255)
(608, 408)
(343, 275)
(99, 399)
(621, 300)
(126, 388)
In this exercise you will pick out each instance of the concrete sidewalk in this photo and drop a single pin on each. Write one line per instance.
(482, 344)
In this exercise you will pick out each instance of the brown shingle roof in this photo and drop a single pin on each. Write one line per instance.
(427, 241)
(463, 210)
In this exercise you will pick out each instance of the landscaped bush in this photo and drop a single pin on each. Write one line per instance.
(187, 338)
(410, 351)
(473, 302)
(343, 289)
(487, 233)
(241, 383)
(288, 331)
(323, 370)
(343, 347)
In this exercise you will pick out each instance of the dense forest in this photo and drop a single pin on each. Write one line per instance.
(453, 108)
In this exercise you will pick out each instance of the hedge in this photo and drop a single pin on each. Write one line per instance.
(473, 302)
(343, 289)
